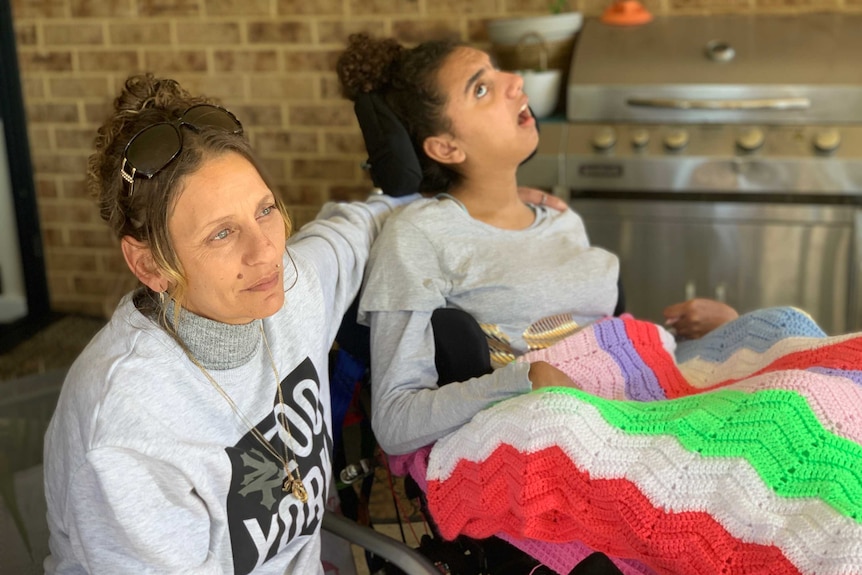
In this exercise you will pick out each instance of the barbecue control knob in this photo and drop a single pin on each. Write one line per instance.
(676, 140)
(640, 138)
(604, 139)
(751, 140)
(827, 141)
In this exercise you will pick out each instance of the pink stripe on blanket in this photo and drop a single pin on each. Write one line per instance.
(832, 398)
(582, 358)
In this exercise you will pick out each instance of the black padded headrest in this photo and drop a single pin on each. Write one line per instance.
(393, 163)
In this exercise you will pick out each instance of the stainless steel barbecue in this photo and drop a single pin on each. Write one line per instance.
(719, 156)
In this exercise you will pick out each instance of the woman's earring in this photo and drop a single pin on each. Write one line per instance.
(277, 266)
(163, 296)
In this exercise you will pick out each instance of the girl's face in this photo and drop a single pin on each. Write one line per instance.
(229, 238)
(487, 108)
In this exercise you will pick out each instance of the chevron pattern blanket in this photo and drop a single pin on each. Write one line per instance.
(740, 454)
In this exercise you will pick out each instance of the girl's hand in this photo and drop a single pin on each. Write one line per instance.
(543, 374)
(696, 317)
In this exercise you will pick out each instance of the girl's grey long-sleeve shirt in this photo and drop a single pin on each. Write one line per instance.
(526, 288)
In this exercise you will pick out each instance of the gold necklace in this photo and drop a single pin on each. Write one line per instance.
(291, 484)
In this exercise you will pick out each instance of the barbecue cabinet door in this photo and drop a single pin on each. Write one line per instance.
(749, 255)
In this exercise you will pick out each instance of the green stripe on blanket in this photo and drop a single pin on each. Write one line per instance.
(774, 430)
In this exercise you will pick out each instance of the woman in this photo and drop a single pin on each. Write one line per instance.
(193, 432)
(526, 273)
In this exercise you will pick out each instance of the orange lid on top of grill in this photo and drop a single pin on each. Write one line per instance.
(626, 13)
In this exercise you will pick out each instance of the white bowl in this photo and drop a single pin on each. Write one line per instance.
(552, 27)
(542, 87)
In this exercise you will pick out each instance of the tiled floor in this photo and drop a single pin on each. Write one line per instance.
(30, 376)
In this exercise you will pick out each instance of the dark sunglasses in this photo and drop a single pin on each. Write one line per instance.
(154, 147)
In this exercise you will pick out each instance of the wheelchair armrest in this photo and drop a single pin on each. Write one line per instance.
(404, 557)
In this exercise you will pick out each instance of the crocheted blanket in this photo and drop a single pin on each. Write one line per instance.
(742, 454)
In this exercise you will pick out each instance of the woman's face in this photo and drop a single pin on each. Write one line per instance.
(229, 238)
(487, 109)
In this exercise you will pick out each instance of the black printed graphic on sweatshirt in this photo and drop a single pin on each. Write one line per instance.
(262, 518)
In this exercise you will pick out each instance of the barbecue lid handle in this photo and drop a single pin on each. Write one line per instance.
(749, 104)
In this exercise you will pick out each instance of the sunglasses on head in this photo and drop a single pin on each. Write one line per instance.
(153, 148)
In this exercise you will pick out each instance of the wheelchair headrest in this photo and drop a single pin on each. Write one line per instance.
(393, 163)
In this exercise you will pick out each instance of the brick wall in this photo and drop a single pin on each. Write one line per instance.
(270, 61)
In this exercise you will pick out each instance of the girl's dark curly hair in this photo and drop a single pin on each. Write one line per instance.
(407, 81)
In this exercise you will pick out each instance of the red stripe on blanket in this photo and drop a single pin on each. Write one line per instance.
(544, 496)
(647, 343)
(844, 355)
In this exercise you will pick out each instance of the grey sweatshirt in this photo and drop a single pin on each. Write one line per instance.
(528, 288)
(147, 467)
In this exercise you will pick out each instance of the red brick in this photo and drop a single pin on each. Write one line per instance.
(170, 61)
(399, 7)
(52, 113)
(91, 237)
(46, 188)
(275, 169)
(25, 34)
(355, 193)
(344, 143)
(453, 7)
(209, 33)
(169, 7)
(322, 115)
(279, 142)
(95, 114)
(104, 9)
(293, 32)
(238, 7)
(282, 88)
(330, 88)
(74, 138)
(75, 188)
(125, 61)
(337, 31)
(32, 61)
(66, 212)
(318, 7)
(225, 88)
(46, 164)
(245, 60)
(66, 259)
(316, 61)
(537, 7)
(415, 31)
(39, 137)
(72, 34)
(33, 87)
(327, 169)
(80, 87)
(34, 9)
(302, 194)
(258, 115)
(150, 33)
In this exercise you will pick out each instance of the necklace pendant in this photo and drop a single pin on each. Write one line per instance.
(299, 490)
(295, 488)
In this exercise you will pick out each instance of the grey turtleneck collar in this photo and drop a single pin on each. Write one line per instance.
(214, 344)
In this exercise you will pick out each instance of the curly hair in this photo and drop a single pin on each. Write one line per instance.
(146, 100)
(407, 79)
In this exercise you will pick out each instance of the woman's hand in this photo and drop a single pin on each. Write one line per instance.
(696, 317)
(540, 198)
(543, 374)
